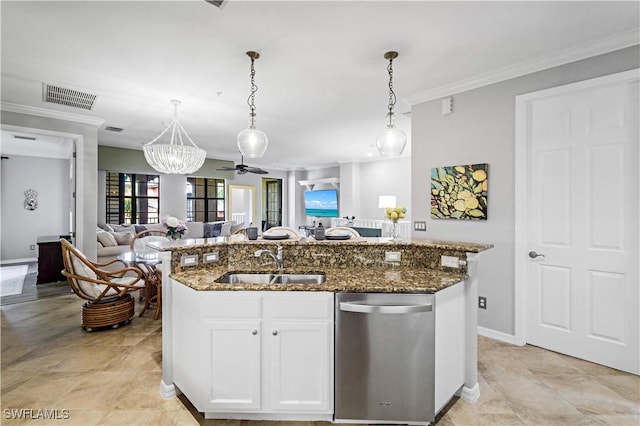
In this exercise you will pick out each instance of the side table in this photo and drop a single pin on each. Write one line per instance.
(152, 290)
(50, 263)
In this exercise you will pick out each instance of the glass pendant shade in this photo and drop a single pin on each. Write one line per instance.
(391, 141)
(252, 142)
(174, 157)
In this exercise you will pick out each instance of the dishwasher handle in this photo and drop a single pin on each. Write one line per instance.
(384, 309)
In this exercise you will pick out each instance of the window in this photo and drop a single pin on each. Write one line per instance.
(205, 200)
(133, 198)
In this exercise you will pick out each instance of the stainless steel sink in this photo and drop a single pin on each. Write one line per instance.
(269, 278)
(299, 278)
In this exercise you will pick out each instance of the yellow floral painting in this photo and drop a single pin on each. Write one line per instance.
(459, 192)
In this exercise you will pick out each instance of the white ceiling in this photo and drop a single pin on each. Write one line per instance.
(322, 77)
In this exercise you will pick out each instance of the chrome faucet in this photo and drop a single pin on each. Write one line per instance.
(276, 257)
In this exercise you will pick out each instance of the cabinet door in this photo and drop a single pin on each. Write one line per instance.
(233, 377)
(300, 374)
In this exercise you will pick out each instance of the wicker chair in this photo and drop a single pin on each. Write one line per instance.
(109, 303)
(152, 292)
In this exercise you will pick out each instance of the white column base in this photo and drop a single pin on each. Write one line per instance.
(168, 391)
(470, 394)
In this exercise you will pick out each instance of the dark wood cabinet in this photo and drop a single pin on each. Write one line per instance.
(50, 262)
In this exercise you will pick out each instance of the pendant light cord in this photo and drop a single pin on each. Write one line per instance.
(254, 89)
(392, 95)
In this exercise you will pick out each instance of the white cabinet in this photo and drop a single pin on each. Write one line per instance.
(261, 355)
(232, 379)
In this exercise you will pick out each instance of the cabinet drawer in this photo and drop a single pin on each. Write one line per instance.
(231, 305)
(299, 305)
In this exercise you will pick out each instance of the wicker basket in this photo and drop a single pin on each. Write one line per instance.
(107, 314)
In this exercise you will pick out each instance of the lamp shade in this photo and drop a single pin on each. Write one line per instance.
(252, 142)
(385, 201)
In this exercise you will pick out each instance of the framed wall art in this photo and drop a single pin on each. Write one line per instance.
(459, 192)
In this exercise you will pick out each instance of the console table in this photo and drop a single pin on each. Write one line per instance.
(50, 263)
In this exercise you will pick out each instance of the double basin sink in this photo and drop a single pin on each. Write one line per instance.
(267, 278)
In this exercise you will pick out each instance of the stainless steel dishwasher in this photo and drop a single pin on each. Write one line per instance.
(384, 366)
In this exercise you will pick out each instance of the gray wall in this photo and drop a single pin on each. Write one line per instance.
(86, 136)
(21, 227)
(482, 130)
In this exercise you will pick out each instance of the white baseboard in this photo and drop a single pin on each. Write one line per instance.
(23, 260)
(168, 391)
(470, 395)
(497, 335)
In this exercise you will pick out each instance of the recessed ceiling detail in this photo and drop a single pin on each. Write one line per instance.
(69, 97)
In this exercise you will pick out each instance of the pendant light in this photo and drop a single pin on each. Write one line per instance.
(174, 157)
(252, 142)
(391, 141)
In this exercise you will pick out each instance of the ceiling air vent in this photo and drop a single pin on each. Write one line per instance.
(216, 3)
(26, 138)
(69, 97)
(114, 129)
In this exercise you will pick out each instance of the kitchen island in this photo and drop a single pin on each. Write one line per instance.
(209, 326)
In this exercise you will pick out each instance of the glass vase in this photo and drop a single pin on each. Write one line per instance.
(395, 232)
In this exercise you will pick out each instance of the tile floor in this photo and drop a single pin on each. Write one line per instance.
(112, 377)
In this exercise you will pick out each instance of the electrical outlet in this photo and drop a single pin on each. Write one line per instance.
(482, 302)
(32, 247)
(450, 261)
(419, 225)
(210, 257)
(392, 256)
(189, 260)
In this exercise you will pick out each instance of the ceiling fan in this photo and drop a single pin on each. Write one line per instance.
(243, 168)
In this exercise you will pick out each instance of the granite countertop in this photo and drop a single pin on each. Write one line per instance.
(361, 280)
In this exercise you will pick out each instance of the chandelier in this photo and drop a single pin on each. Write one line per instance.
(252, 142)
(174, 157)
(391, 141)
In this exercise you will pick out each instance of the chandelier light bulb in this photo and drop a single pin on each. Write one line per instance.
(252, 142)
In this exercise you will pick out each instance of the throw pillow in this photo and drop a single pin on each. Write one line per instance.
(122, 238)
(106, 239)
(139, 228)
(105, 227)
(124, 228)
(225, 230)
(212, 229)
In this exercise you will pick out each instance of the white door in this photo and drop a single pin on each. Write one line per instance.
(299, 369)
(582, 211)
(233, 352)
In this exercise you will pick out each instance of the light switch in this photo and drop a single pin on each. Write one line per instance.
(210, 257)
(392, 256)
(449, 261)
(189, 260)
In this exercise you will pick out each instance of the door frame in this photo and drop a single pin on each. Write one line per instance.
(521, 180)
(254, 209)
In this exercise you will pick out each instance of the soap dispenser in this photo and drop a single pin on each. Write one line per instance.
(319, 232)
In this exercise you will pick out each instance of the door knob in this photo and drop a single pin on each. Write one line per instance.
(533, 254)
(274, 332)
(254, 332)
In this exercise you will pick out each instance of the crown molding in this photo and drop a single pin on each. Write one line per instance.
(602, 46)
(48, 113)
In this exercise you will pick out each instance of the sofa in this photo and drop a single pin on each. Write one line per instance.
(113, 240)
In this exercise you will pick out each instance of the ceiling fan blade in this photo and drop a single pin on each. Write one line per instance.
(257, 171)
(226, 169)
